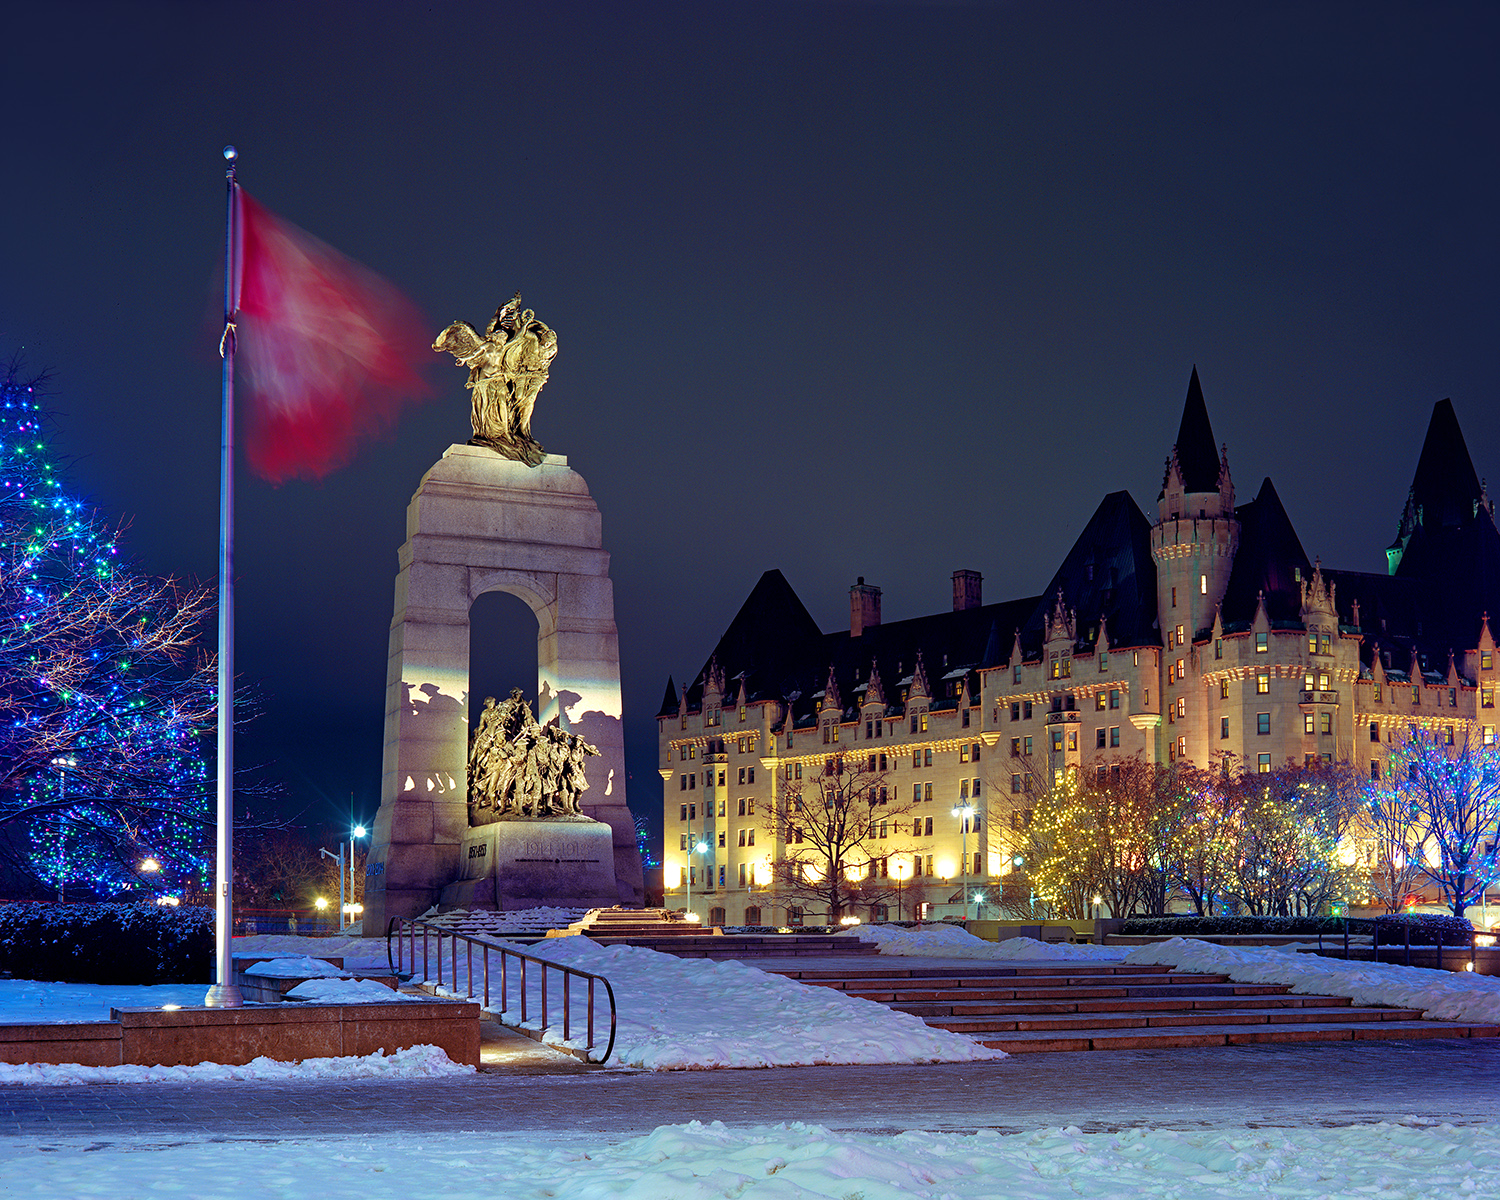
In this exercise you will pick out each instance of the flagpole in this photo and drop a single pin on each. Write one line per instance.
(225, 993)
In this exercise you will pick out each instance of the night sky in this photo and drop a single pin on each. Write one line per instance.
(840, 288)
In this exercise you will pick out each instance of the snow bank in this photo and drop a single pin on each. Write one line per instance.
(419, 1062)
(1441, 995)
(355, 951)
(951, 941)
(693, 1014)
(297, 967)
(346, 991)
(705, 1162)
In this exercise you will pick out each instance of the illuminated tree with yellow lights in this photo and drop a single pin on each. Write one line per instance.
(1286, 827)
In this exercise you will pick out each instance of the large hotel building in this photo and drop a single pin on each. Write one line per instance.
(1204, 630)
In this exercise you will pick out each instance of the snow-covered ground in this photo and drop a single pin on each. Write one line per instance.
(1441, 995)
(950, 941)
(807, 1162)
(29, 1001)
(358, 953)
(693, 1013)
(418, 1062)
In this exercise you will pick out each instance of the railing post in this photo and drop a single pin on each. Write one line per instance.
(523, 990)
(567, 1008)
(546, 1019)
(486, 977)
(590, 1046)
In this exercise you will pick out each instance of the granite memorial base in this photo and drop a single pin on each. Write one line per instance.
(519, 862)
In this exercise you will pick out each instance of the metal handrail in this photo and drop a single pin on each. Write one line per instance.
(408, 928)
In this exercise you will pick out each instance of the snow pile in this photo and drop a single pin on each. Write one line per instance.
(544, 917)
(354, 950)
(300, 967)
(952, 941)
(346, 991)
(419, 1062)
(694, 1013)
(702, 1162)
(1441, 995)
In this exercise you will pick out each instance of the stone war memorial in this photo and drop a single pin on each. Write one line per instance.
(532, 809)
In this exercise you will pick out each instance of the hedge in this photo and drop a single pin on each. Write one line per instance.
(1424, 927)
(107, 943)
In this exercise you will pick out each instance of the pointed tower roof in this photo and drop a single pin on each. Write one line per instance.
(1197, 453)
(1270, 563)
(1108, 572)
(669, 700)
(768, 640)
(1446, 486)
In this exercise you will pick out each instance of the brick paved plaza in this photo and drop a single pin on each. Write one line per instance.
(1292, 1084)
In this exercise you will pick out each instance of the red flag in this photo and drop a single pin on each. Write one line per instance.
(330, 349)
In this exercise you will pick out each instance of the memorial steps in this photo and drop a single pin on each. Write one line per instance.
(657, 929)
(1114, 1006)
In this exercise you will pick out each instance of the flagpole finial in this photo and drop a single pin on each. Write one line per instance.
(230, 153)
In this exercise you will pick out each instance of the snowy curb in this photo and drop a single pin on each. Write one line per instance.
(418, 1062)
(1441, 995)
(950, 941)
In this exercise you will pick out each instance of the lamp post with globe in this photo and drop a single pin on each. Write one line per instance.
(965, 812)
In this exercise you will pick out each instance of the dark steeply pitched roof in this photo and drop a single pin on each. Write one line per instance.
(1448, 540)
(1109, 572)
(1445, 487)
(1197, 452)
(669, 700)
(769, 640)
(774, 644)
(1268, 559)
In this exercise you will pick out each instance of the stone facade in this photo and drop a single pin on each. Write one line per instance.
(1206, 633)
(481, 523)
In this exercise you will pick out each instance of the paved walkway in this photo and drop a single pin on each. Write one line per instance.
(1318, 1084)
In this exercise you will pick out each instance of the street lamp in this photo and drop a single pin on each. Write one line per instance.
(696, 848)
(901, 870)
(965, 811)
(338, 858)
(357, 832)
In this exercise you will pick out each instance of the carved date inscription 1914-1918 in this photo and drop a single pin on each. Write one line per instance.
(508, 365)
(520, 768)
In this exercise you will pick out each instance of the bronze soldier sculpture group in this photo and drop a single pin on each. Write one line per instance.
(520, 768)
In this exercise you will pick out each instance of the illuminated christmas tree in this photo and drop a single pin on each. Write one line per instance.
(104, 697)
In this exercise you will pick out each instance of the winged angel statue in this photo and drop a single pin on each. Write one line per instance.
(508, 365)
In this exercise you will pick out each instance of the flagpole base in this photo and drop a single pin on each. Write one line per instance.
(224, 995)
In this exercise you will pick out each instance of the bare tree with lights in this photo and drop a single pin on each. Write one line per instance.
(1453, 796)
(829, 832)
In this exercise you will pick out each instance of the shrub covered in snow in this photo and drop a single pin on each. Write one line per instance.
(107, 943)
(1425, 927)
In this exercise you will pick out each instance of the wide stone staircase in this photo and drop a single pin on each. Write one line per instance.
(656, 929)
(1030, 1007)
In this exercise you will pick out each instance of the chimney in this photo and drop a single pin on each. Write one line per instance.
(967, 586)
(864, 607)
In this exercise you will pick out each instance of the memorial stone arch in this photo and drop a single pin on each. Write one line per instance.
(480, 523)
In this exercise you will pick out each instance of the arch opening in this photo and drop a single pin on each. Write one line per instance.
(502, 651)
